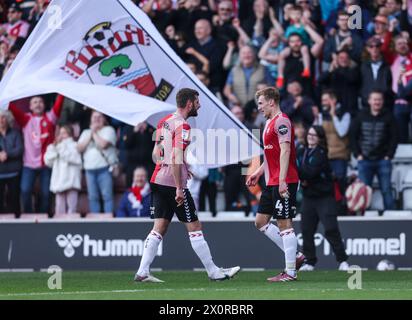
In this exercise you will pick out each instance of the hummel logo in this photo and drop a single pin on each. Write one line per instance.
(69, 242)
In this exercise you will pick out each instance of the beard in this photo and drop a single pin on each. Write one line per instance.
(193, 113)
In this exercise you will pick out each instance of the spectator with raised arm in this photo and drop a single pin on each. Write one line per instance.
(292, 62)
(38, 132)
(270, 51)
(343, 78)
(161, 13)
(343, 39)
(222, 22)
(258, 23)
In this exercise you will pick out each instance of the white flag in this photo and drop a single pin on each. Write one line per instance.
(108, 55)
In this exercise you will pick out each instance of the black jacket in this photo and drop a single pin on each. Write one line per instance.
(374, 137)
(315, 172)
(12, 143)
(383, 82)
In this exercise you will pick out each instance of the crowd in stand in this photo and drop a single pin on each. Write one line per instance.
(354, 82)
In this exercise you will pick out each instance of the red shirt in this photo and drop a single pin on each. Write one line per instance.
(279, 130)
(172, 132)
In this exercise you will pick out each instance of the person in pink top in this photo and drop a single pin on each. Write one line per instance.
(169, 190)
(38, 132)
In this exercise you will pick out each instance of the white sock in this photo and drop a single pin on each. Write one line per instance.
(149, 252)
(202, 250)
(290, 243)
(272, 232)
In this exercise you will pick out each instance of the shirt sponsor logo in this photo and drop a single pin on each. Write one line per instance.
(268, 146)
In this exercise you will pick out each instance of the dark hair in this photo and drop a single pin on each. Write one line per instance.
(38, 96)
(201, 73)
(296, 7)
(343, 13)
(270, 93)
(323, 142)
(379, 91)
(295, 34)
(343, 51)
(330, 93)
(184, 95)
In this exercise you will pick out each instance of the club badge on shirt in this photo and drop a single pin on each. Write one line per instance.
(283, 130)
(185, 135)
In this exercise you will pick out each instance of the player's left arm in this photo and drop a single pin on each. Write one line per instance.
(181, 140)
(284, 132)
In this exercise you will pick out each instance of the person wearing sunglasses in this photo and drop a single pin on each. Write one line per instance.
(318, 198)
(375, 73)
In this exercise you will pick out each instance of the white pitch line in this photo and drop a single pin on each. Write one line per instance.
(17, 270)
(31, 294)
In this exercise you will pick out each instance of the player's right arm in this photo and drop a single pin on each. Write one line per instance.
(255, 176)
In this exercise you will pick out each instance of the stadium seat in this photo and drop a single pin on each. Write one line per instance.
(400, 171)
(397, 213)
(403, 154)
(371, 213)
(406, 188)
(407, 199)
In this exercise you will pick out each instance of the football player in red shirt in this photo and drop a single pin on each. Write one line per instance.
(278, 199)
(170, 194)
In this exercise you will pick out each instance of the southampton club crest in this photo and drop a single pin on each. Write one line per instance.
(114, 58)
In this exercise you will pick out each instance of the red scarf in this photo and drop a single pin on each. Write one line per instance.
(137, 191)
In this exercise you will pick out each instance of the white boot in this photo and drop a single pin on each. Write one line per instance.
(307, 267)
(343, 266)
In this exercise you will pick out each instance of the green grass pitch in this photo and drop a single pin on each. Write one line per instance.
(186, 285)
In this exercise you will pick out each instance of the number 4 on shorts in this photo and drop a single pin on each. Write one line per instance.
(279, 206)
